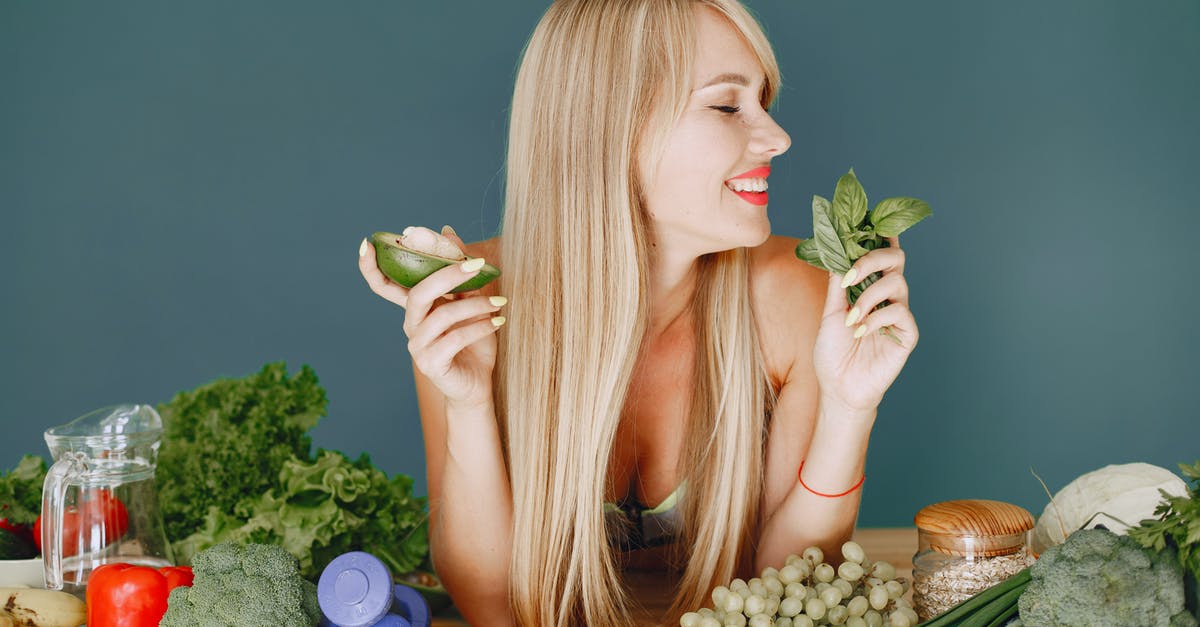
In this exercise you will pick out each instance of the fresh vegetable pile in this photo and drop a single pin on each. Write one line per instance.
(808, 591)
(236, 465)
(1094, 578)
(1097, 577)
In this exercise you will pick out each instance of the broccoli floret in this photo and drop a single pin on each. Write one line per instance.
(1097, 578)
(253, 585)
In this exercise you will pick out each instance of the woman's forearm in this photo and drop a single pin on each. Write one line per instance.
(471, 534)
(835, 461)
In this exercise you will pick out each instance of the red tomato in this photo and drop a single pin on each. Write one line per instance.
(23, 531)
(97, 508)
(125, 595)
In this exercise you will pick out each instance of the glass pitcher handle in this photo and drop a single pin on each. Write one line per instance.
(54, 493)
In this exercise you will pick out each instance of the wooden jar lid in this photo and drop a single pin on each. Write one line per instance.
(974, 527)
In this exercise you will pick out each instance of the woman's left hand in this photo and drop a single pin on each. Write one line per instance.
(856, 363)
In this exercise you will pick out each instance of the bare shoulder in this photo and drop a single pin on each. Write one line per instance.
(788, 297)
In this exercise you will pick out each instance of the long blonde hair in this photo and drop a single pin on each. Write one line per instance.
(594, 77)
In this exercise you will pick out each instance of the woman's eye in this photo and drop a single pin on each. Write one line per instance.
(726, 109)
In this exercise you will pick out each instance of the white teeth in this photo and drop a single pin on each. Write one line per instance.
(747, 185)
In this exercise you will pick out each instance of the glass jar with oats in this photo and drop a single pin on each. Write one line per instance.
(965, 547)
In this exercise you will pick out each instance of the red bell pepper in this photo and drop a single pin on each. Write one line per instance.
(127, 595)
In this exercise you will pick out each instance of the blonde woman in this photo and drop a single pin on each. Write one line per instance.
(655, 379)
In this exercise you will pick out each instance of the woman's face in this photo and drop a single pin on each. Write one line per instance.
(708, 190)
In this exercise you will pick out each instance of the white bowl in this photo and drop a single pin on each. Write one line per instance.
(28, 572)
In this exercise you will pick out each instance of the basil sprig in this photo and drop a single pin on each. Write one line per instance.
(843, 230)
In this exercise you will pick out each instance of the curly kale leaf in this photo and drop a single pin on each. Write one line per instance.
(227, 440)
(321, 509)
(21, 491)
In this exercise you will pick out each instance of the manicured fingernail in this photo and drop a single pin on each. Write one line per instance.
(852, 317)
(848, 280)
(497, 301)
(498, 321)
(448, 230)
(471, 265)
(860, 331)
(362, 248)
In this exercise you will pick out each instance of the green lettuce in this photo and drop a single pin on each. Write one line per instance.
(321, 509)
(236, 466)
(228, 439)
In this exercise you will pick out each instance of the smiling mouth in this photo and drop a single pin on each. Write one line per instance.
(752, 190)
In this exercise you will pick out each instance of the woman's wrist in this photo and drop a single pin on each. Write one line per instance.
(470, 425)
(469, 405)
(831, 409)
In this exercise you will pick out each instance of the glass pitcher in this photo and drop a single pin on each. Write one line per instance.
(98, 502)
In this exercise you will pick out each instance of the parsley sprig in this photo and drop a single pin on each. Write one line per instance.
(1177, 524)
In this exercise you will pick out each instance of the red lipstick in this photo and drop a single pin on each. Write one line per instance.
(756, 173)
(754, 198)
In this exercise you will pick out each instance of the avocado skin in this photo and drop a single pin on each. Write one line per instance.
(409, 267)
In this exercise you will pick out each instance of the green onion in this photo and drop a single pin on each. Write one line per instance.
(988, 614)
(1003, 618)
(1013, 585)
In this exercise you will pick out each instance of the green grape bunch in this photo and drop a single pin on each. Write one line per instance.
(808, 592)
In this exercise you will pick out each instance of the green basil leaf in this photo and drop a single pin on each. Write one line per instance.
(807, 252)
(893, 216)
(829, 244)
(853, 249)
(850, 200)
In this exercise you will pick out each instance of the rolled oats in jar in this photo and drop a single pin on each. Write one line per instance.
(965, 547)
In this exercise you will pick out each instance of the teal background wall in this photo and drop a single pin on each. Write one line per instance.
(184, 185)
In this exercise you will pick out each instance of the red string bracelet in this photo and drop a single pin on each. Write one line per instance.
(829, 496)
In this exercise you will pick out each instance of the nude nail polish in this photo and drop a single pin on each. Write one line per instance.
(848, 280)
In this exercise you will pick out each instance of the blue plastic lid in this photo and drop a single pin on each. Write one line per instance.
(411, 605)
(392, 620)
(355, 590)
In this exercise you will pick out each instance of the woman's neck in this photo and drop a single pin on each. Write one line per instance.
(672, 289)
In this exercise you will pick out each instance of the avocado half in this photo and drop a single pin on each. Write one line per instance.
(408, 266)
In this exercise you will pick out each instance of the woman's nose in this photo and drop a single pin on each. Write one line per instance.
(769, 138)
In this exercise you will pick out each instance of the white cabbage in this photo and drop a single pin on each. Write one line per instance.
(1116, 496)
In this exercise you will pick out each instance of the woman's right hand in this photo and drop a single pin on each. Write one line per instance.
(451, 337)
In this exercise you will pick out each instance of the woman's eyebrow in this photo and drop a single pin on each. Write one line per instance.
(728, 77)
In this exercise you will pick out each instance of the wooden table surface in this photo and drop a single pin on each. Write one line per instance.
(893, 545)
